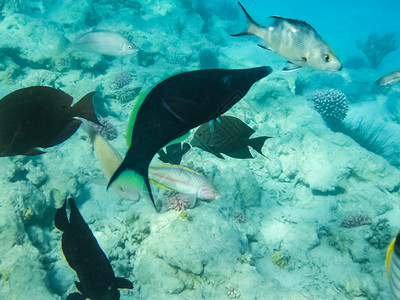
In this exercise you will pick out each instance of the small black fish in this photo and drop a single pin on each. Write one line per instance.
(230, 136)
(84, 255)
(173, 153)
(40, 116)
(173, 107)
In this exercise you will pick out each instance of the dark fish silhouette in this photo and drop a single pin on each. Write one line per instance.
(40, 116)
(175, 106)
(84, 255)
(230, 136)
(173, 153)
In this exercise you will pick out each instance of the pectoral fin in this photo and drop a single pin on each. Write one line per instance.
(179, 108)
(290, 67)
(33, 152)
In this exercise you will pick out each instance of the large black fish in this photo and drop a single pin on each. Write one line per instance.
(40, 116)
(230, 136)
(175, 106)
(84, 255)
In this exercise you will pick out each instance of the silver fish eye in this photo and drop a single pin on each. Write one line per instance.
(327, 58)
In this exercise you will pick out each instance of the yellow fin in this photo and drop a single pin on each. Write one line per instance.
(159, 185)
(388, 254)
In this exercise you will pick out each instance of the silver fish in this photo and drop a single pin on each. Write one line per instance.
(389, 79)
(295, 40)
(183, 180)
(104, 42)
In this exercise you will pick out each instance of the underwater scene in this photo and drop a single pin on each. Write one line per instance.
(199, 149)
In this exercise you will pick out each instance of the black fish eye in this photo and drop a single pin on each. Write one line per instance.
(226, 81)
(327, 58)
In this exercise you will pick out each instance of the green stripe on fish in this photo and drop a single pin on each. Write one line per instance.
(132, 118)
(177, 105)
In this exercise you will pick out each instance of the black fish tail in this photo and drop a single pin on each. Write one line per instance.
(61, 219)
(75, 296)
(257, 143)
(250, 24)
(123, 283)
(84, 108)
(133, 177)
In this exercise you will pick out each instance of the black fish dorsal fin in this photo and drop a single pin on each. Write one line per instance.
(84, 108)
(61, 218)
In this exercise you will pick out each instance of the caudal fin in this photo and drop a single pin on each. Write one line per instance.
(132, 180)
(61, 218)
(252, 26)
(257, 143)
(84, 108)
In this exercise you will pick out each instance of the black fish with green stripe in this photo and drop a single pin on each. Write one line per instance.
(173, 107)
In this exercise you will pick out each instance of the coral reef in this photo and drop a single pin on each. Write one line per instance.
(122, 79)
(279, 259)
(127, 95)
(177, 201)
(373, 136)
(377, 47)
(331, 104)
(233, 292)
(11, 74)
(179, 58)
(107, 131)
(356, 221)
(380, 234)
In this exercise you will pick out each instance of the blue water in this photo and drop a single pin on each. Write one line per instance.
(310, 220)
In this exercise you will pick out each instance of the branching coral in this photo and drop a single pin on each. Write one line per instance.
(122, 79)
(377, 47)
(107, 131)
(356, 221)
(332, 105)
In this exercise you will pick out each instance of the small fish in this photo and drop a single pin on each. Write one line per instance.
(172, 108)
(109, 160)
(173, 153)
(104, 42)
(40, 116)
(84, 255)
(295, 40)
(389, 79)
(231, 136)
(183, 180)
(393, 267)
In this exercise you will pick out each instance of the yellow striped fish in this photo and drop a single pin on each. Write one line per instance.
(183, 180)
(393, 267)
(109, 160)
